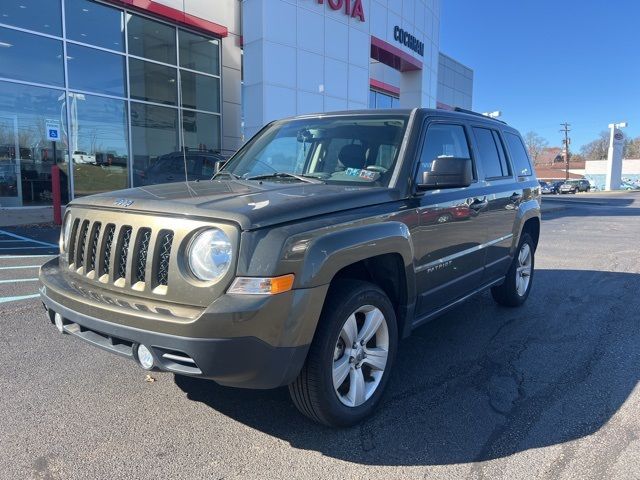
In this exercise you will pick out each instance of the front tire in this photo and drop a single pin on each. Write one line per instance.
(350, 358)
(517, 284)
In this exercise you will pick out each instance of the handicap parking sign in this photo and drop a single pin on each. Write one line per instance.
(52, 130)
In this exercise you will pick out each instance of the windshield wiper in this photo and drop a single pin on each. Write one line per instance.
(229, 174)
(302, 178)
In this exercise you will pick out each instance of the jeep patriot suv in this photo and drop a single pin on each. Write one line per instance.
(318, 246)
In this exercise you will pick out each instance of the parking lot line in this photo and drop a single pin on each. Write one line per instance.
(19, 280)
(24, 248)
(26, 239)
(15, 299)
(27, 256)
(20, 267)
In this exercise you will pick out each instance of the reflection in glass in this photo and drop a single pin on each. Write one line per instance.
(201, 131)
(94, 23)
(39, 15)
(26, 156)
(98, 144)
(28, 57)
(154, 133)
(199, 53)
(152, 82)
(200, 92)
(95, 71)
(151, 39)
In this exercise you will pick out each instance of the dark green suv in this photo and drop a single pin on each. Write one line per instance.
(318, 246)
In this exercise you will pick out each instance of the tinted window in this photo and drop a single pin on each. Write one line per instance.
(488, 153)
(94, 23)
(442, 141)
(152, 40)
(39, 15)
(95, 71)
(506, 168)
(199, 53)
(31, 58)
(519, 155)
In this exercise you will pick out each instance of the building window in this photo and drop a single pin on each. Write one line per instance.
(154, 133)
(152, 82)
(382, 100)
(151, 39)
(199, 53)
(39, 15)
(31, 58)
(26, 156)
(95, 24)
(200, 92)
(201, 131)
(97, 71)
(99, 143)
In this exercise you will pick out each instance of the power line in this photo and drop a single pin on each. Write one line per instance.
(567, 140)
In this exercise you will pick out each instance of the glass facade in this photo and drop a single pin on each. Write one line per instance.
(124, 90)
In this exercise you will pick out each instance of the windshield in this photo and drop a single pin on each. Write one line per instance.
(360, 150)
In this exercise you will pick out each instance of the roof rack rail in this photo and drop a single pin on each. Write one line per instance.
(471, 112)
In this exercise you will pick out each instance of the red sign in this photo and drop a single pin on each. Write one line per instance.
(352, 8)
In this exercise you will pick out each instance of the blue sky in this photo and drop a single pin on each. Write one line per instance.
(545, 62)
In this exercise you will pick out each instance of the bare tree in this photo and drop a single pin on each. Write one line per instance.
(632, 148)
(598, 149)
(535, 144)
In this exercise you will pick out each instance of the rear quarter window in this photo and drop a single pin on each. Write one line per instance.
(519, 157)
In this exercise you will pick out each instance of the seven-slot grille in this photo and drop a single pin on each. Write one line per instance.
(120, 255)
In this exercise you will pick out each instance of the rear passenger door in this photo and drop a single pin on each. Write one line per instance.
(504, 196)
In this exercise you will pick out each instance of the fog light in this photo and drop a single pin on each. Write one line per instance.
(57, 319)
(144, 357)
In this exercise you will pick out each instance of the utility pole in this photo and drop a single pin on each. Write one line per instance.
(566, 130)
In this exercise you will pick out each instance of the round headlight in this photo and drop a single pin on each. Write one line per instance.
(66, 232)
(210, 254)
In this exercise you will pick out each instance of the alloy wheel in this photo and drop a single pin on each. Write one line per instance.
(360, 356)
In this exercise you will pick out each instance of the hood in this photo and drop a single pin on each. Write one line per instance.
(249, 204)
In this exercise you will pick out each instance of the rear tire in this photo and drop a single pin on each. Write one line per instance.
(343, 379)
(517, 284)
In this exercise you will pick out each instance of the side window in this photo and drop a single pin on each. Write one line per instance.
(519, 155)
(489, 153)
(442, 140)
(506, 168)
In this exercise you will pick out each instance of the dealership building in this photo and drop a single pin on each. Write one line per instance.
(120, 93)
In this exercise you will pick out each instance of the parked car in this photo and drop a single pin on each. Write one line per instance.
(171, 167)
(629, 186)
(80, 157)
(575, 186)
(546, 188)
(307, 275)
(555, 186)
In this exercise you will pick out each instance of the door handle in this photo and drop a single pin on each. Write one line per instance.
(478, 204)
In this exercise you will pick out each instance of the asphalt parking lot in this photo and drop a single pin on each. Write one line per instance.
(549, 390)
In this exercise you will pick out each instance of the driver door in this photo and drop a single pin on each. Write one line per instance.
(448, 243)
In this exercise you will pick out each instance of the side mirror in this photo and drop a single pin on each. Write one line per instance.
(447, 172)
(218, 165)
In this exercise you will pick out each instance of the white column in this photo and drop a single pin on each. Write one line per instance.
(614, 157)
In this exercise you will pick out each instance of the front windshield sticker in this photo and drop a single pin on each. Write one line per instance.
(364, 174)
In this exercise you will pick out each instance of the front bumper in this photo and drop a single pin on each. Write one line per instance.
(202, 343)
